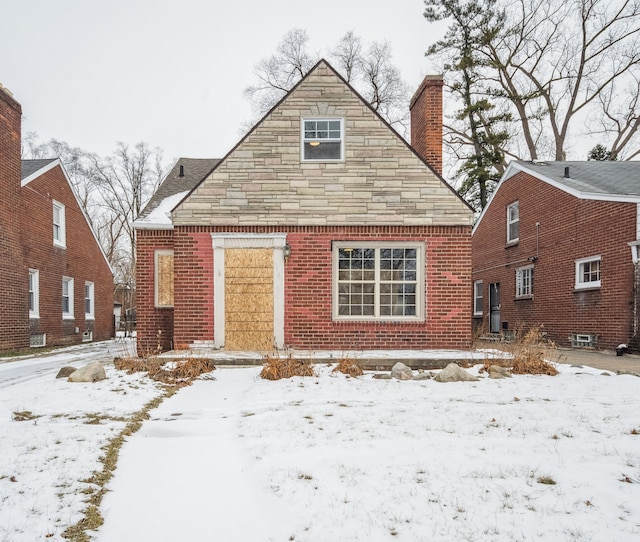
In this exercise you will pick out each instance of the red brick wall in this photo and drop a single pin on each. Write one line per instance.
(308, 319)
(193, 286)
(154, 325)
(426, 121)
(14, 287)
(569, 229)
(81, 260)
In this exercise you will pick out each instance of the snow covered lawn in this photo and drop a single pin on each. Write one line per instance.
(51, 435)
(330, 458)
(334, 458)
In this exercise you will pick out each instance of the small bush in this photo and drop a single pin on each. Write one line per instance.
(546, 480)
(275, 367)
(348, 367)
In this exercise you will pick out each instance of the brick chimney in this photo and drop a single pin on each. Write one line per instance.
(426, 121)
(14, 323)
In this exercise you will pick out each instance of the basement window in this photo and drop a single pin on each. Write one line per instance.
(322, 139)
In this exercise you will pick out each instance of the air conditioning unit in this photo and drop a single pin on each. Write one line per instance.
(38, 340)
(583, 340)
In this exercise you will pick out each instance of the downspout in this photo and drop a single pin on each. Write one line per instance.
(634, 343)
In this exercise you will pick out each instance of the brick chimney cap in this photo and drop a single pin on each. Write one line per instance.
(429, 80)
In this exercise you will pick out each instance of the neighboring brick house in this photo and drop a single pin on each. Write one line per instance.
(557, 247)
(321, 229)
(56, 283)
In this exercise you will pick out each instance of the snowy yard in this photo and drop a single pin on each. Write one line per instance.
(330, 458)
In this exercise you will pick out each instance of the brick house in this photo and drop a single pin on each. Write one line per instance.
(557, 247)
(321, 229)
(57, 284)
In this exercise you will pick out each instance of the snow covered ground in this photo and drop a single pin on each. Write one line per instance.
(331, 458)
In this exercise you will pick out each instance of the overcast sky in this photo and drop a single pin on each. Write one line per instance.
(172, 73)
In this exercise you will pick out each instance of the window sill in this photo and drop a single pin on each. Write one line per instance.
(523, 298)
(59, 245)
(89, 317)
(34, 317)
(68, 317)
(512, 244)
(378, 321)
(478, 315)
(586, 288)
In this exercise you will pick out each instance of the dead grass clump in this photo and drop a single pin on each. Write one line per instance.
(179, 372)
(348, 367)
(529, 350)
(275, 367)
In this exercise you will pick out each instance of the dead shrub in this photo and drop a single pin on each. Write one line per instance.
(348, 367)
(275, 367)
(177, 372)
(529, 350)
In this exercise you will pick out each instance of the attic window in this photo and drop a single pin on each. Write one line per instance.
(322, 139)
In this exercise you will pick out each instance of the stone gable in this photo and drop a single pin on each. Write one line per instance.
(263, 181)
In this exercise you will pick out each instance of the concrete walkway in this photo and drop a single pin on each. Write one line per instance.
(607, 361)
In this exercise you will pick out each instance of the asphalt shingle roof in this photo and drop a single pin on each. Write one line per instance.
(593, 177)
(29, 167)
(194, 170)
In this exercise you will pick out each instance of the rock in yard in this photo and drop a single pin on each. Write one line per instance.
(382, 376)
(89, 373)
(422, 375)
(495, 371)
(66, 371)
(401, 372)
(454, 373)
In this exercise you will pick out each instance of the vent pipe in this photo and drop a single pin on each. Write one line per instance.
(566, 172)
(181, 171)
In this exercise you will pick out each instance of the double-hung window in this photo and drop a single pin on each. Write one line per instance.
(59, 228)
(67, 298)
(588, 272)
(34, 293)
(89, 301)
(322, 139)
(513, 222)
(478, 298)
(378, 281)
(524, 282)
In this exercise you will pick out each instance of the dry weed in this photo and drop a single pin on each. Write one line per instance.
(529, 349)
(275, 367)
(348, 367)
(182, 373)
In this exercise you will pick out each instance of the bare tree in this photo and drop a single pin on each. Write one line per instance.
(124, 182)
(556, 59)
(278, 73)
(369, 69)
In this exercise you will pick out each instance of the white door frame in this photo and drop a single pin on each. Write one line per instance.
(277, 242)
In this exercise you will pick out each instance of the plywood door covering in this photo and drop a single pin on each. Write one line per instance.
(248, 299)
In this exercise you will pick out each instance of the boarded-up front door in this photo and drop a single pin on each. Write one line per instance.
(248, 299)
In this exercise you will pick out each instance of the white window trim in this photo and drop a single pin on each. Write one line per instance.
(156, 255)
(580, 285)
(477, 297)
(303, 140)
(509, 222)
(35, 313)
(68, 315)
(91, 314)
(519, 271)
(420, 280)
(62, 241)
